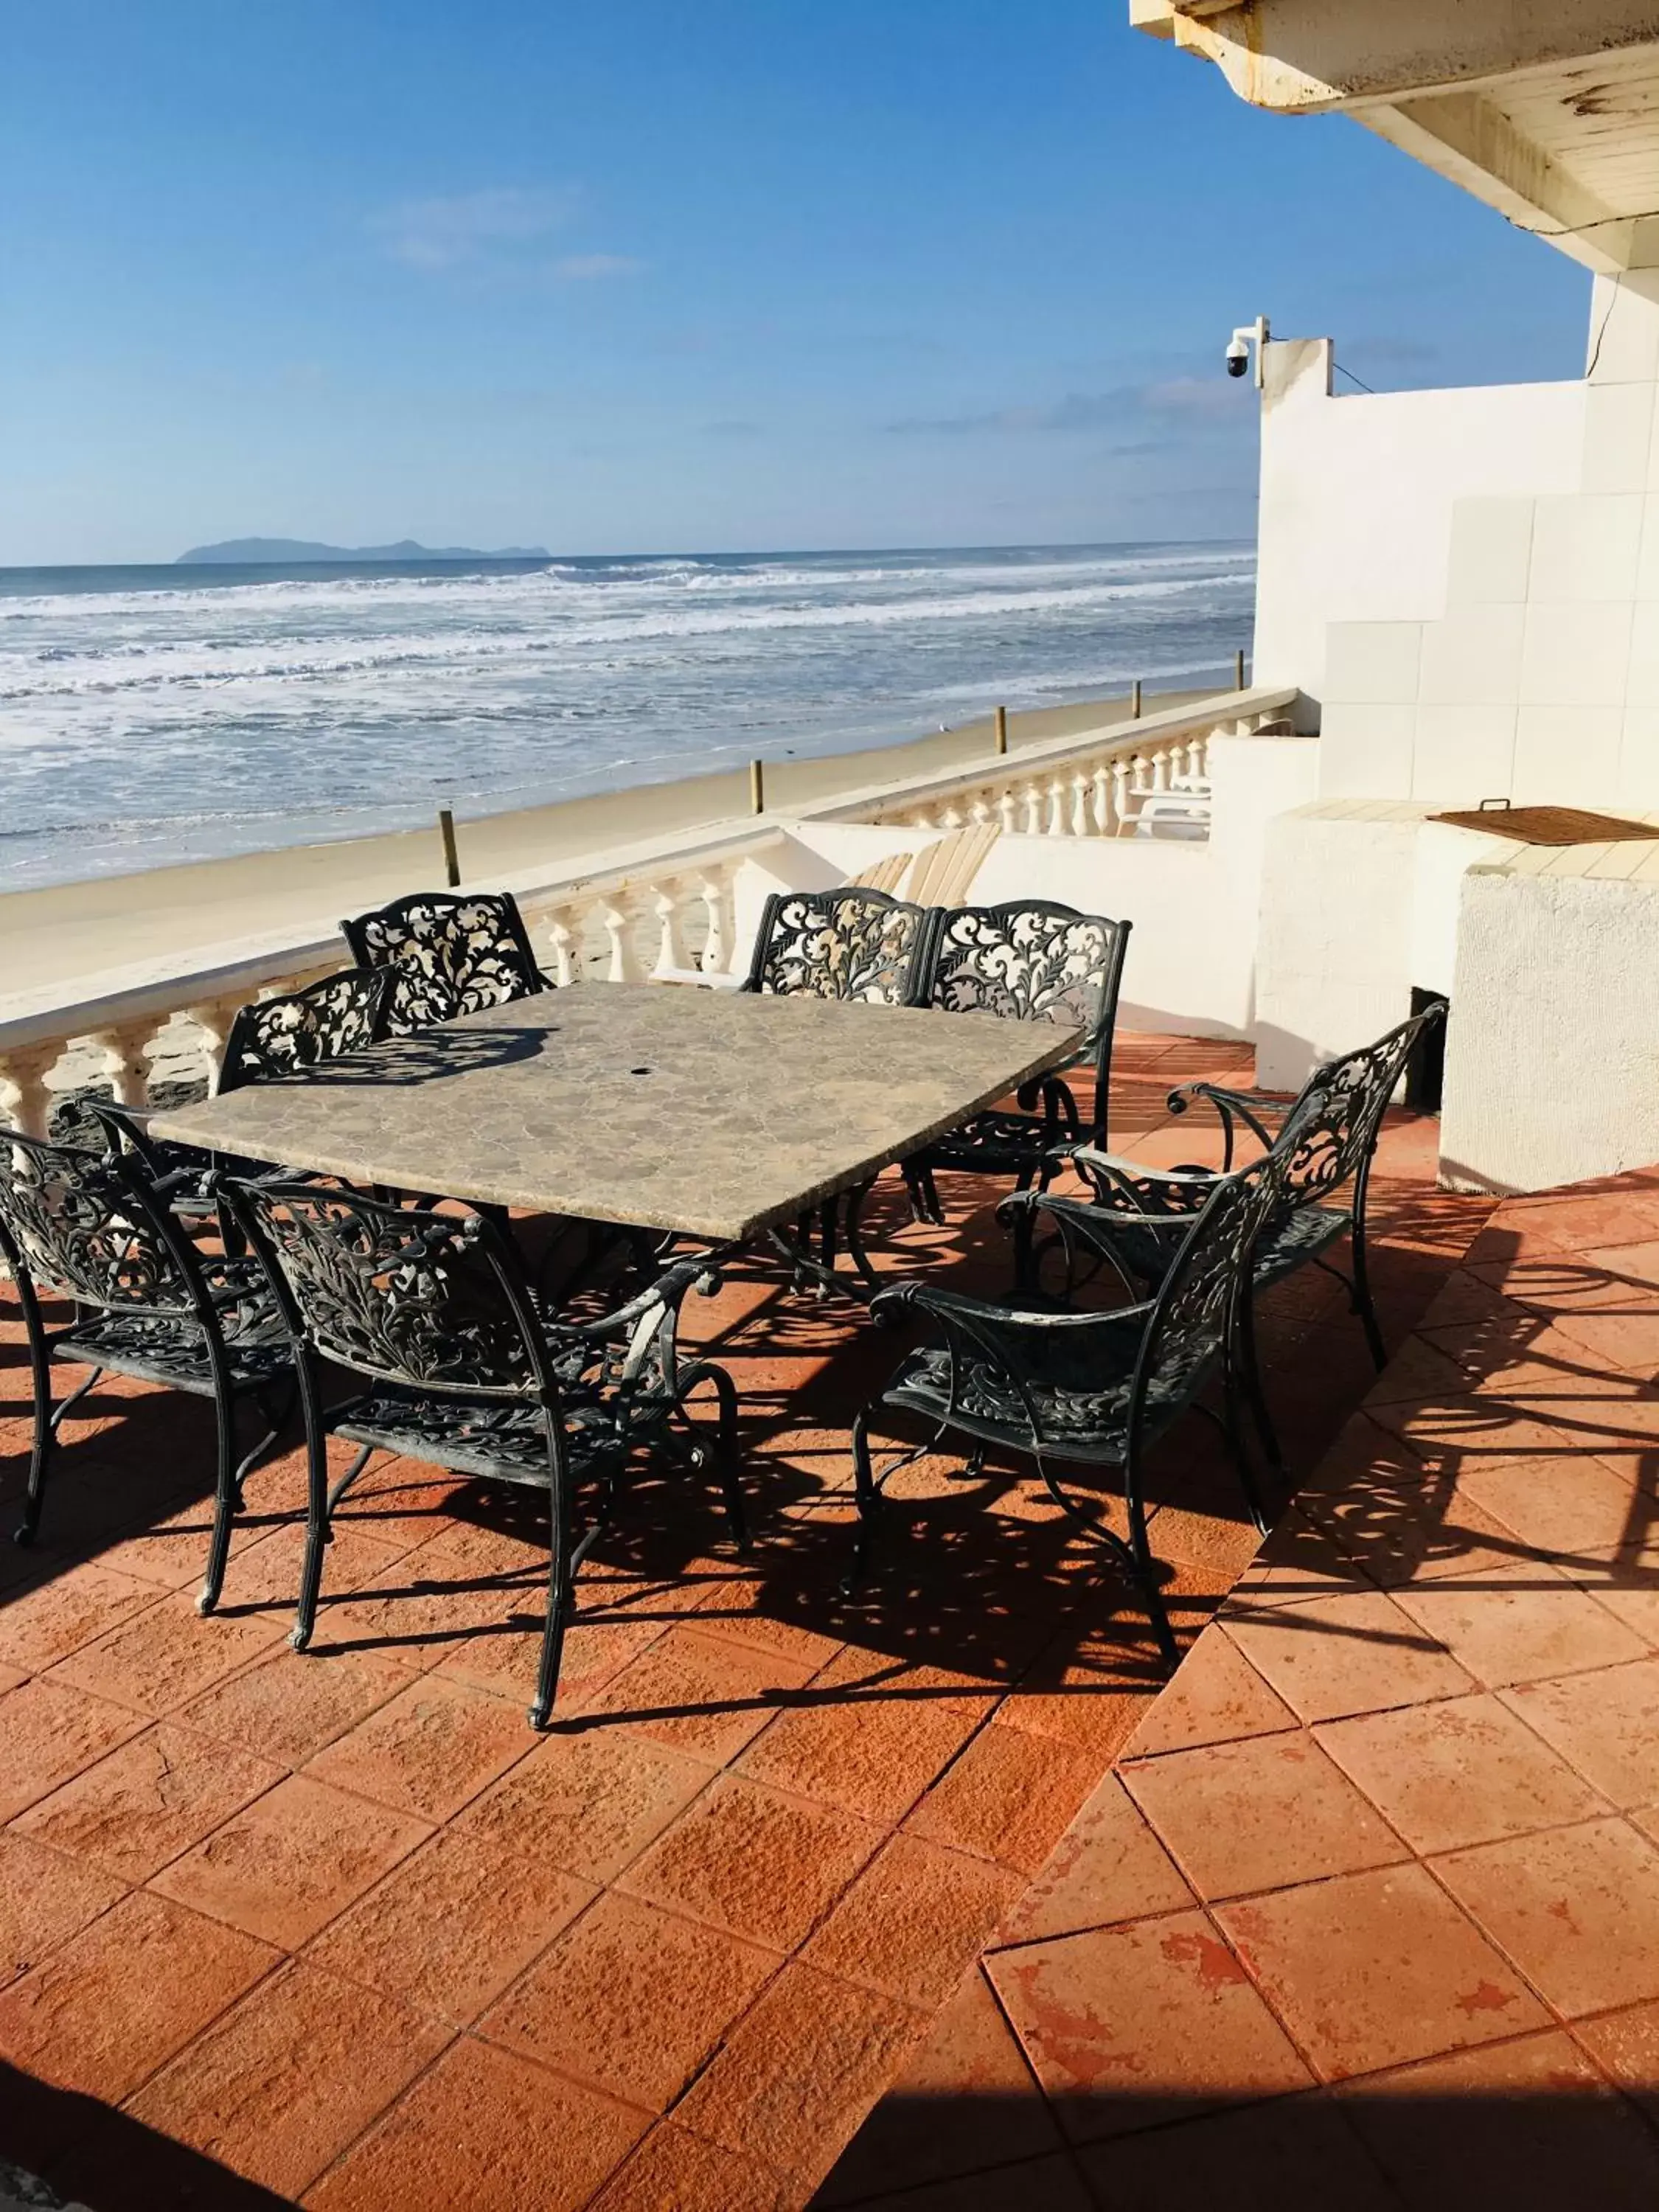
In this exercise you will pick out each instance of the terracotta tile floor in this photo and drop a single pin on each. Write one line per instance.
(1368, 1912)
(339, 1930)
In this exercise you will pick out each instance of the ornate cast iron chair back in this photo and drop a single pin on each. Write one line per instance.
(1034, 960)
(451, 955)
(427, 1300)
(273, 1038)
(848, 943)
(1333, 1143)
(81, 1224)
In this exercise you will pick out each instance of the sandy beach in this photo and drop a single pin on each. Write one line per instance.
(56, 937)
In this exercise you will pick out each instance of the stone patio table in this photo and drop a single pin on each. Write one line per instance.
(719, 1115)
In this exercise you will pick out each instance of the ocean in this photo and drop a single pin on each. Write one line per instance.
(155, 714)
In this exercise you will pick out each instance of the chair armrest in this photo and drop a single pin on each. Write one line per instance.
(1126, 1189)
(1253, 1108)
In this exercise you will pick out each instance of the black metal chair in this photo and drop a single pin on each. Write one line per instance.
(1027, 960)
(1091, 1389)
(1325, 1139)
(848, 943)
(464, 1372)
(449, 953)
(83, 1225)
(270, 1040)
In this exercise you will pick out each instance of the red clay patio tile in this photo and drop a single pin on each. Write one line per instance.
(1604, 1724)
(1259, 1815)
(1516, 2123)
(1051, 2183)
(265, 1575)
(429, 1750)
(735, 1611)
(966, 2099)
(1576, 1908)
(1127, 2027)
(1296, 2152)
(1515, 1624)
(1418, 1368)
(1010, 1797)
(42, 1625)
(630, 1999)
(1568, 1507)
(285, 1866)
(1348, 1655)
(1108, 1866)
(449, 1927)
(483, 2132)
(674, 2172)
(1297, 1562)
(504, 1655)
(1464, 1771)
(51, 1732)
(279, 2085)
(148, 1801)
(754, 1861)
(913, 1922)
(1216, 1697)
(586, 1803)
(286, 1707)
(91, 2017)
(1373, 1970)
(799, 2073)
(700, 1694)
(1625, 2046)
(167, 1655)
(872, 1755)
(44, 1899)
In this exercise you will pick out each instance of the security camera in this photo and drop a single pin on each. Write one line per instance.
(1247, 334)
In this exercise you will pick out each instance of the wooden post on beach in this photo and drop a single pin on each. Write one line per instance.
(1002, 729)
(756, 788)
(1134, 701)
(1238, 670)
(452, 858)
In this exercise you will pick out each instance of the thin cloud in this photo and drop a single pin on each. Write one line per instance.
(586, 268)
(1188, 398)
(468, 227)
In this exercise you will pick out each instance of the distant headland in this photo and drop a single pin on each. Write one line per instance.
(303, 549)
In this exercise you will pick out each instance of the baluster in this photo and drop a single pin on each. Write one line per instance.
(671, 954)
(711, 890)
(126, 1061)
(1143, 774)
(951, 817)
(979, 812)
(617, 913)
(1033, 797)
(1101, 795)
(561, 943)
(1008, 810)
(24, 1094)
(1161, 769)
(1122, 771)
(1079, 803)
(212, 1019)
(1055, 824)
(1195, 760)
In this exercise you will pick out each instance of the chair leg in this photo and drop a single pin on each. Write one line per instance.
(1249, 1368)
(46, 1425)
(225, 1494)
(1144, 1576)
(317, 1506)
(869, 1504)
(725, 1443)
(1362, 1298)
(560, 1602)
(1234, 1432)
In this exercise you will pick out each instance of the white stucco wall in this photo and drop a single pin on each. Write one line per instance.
(1465, 583)
(1553, 1059)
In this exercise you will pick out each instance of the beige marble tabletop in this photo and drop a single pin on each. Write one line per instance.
(712, 1112)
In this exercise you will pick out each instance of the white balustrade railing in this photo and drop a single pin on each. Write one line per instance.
(663, 911)
(669, 913)
(1093, 784)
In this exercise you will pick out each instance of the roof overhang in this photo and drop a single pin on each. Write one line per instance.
(1546, 111)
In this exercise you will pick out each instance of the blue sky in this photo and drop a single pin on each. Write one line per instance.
(684, 275)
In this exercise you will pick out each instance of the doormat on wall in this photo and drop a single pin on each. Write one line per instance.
(1550, 825)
